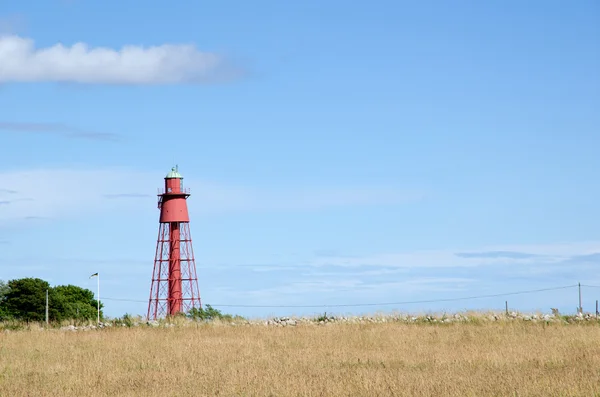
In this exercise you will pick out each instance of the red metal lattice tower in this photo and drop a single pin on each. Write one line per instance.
(174, 286)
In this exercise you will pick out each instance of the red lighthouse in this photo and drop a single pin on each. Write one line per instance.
(174, 286)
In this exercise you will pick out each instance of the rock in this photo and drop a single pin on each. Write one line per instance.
(69, 328)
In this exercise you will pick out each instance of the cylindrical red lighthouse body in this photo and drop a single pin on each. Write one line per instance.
(174, 284)
(174, 204)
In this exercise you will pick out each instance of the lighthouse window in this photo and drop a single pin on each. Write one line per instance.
(169, 190)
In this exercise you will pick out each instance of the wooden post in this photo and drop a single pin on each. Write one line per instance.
(506, 305)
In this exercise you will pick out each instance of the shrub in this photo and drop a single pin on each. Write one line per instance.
(208, 313)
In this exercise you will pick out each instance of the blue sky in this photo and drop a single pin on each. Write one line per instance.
(337, 153)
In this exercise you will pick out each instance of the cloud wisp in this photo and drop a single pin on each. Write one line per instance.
(16, 200)
(10, 24)
(58, 129)
(496, 254)
(534, 258)
(242, 199)
(117, 189)
(126, 195)
(132, 65)
(356, 285)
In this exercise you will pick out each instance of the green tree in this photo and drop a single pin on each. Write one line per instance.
(3, 291)
(73, 302)
(26, 299)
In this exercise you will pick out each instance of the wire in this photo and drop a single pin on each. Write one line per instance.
(590, 286)
(402, 302)
(380, 304)
(122, 300)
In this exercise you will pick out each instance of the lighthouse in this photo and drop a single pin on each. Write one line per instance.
(174, 287)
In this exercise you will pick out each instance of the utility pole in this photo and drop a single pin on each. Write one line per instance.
(46, 307)
(98, 299)
(97, 275)
(580, 308)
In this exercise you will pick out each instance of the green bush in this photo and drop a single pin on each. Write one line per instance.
(127, 321)
(208, 313)
(324, 317)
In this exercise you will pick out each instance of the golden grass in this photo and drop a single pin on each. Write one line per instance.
(392, 359)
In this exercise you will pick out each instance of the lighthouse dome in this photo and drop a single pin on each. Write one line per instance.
(174, 174)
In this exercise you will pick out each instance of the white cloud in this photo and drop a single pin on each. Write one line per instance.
(54, 193)
(21, 61)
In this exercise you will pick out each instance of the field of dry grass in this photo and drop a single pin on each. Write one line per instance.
(390, 359)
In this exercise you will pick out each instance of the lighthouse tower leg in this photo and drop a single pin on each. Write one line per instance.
(189, 280)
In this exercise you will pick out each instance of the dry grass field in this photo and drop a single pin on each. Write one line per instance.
(391, 359)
